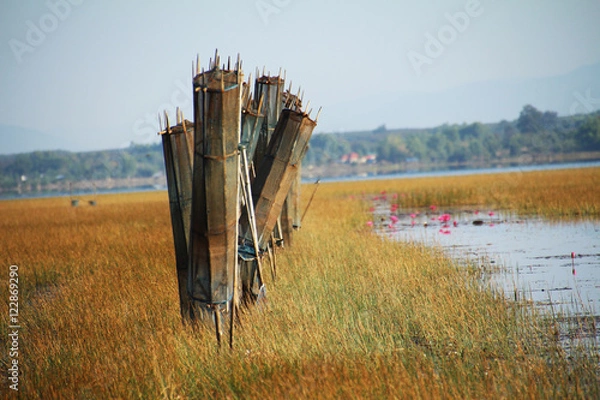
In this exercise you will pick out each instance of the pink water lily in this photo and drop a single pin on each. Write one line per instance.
(394, 219)
(369, 223)
(444, 217)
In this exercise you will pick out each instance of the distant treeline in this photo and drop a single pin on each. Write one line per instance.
(534, 133)
(48, 167)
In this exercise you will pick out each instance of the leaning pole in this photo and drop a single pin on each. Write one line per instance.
(278, 169)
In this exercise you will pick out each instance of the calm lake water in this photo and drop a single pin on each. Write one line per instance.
(555, 265)
(462, 171)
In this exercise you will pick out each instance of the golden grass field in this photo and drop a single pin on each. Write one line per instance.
(351, 315)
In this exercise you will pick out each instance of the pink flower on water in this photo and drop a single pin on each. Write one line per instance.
(445, 231)
(369, 223)
(444, 217)
(372, 209)
(394, 219)
(476, 212)
(455, 223)
(394, 207)
(491, 213)
(413, 215)
(433, 207)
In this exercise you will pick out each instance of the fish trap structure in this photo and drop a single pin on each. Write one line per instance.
(233, 179)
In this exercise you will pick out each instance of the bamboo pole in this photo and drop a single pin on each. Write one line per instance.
(218, 331)
(311, 199)
(251, 269)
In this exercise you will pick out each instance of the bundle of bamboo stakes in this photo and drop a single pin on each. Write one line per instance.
(233, 177)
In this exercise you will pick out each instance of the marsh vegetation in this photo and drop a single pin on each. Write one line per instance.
(351, 315)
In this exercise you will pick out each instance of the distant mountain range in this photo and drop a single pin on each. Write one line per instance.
(573, 93)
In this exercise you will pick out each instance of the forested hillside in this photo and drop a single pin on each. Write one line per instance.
(534, 133)
(539, 135)
(43, 168)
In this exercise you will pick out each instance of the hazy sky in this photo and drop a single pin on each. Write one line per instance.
(96, 73)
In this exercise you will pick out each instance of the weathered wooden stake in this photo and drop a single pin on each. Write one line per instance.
(278, 170)
(215, 190)
(271, 89)
(252, 122)
(179, 184)
(289, 219)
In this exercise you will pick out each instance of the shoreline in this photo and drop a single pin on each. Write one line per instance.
(112, 186)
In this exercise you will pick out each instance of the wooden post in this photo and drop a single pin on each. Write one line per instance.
(178, 166)
(290, 219)
(295, 198)
(252, 123)
(288, 212)
(278, 170)
(270, 88)
(215, 191)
